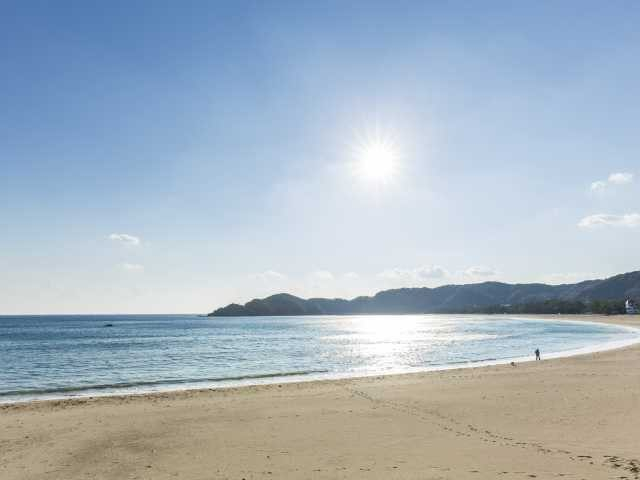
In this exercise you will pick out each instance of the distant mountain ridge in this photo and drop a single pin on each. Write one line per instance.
(444, 299)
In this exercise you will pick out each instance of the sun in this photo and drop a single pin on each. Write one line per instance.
(376, 161)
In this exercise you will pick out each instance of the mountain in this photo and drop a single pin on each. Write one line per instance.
(447, 298)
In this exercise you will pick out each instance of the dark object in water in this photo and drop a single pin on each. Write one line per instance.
(108, 324)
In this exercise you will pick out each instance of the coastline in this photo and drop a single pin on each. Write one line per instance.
(574, 416)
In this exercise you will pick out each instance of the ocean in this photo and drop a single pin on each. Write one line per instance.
(45, 357)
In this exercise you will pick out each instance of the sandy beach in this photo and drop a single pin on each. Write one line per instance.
(574, 418)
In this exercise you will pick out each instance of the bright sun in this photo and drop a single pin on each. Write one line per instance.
(376, 161)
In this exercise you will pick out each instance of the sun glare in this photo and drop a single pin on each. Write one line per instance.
(376, 161)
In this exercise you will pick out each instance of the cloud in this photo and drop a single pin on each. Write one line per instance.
(572, 277)
(125, 239)
(393, 273)
(616, 178)
(268, 276)
(414, 275)
(322, 275)
(132, 267)
(351, 276)
(621, 178)
(608, 220)
(480, 271)
(429, 272)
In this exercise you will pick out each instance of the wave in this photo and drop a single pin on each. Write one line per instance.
(152, 383)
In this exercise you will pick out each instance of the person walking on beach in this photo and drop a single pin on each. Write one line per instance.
(537, 352)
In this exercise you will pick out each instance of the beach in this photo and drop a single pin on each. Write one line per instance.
(575, 418)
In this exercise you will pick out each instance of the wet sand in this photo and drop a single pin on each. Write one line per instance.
(572, 418)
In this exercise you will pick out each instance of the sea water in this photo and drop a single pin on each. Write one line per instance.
(66, 356)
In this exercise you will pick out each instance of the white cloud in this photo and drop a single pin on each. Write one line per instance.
(414, 275)
(322, 275)
(433, 271)
(125, 239)
(621, 178)
(268, 276)
(605, 220)
(572, 277)
(616, 178)
(132, 267)
(480, 271)
(351, 276)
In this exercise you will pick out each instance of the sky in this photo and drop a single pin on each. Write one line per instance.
(165, 157)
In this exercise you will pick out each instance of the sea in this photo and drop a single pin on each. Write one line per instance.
(66, 356)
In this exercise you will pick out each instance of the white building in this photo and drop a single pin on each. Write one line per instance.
(631, 307)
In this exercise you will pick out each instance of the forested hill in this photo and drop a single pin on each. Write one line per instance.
(447, 298)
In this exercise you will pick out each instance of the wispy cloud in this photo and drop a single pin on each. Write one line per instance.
(125, 239)
(480, 271)
(424, 273)
(571, 277)
(323, 275)
(629, 220)
(268, 276)
(621, 178)
(598, 186)
(616, 178)
(132, 267)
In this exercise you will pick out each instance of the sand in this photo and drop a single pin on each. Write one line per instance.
(573, 418)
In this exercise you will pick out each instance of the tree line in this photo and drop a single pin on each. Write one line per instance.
(567, 307)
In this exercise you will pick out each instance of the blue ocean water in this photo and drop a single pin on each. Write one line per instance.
(62, 356)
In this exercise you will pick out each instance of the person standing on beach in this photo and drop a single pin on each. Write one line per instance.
(537, 352)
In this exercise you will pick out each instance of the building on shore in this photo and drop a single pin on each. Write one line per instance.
(631, 307)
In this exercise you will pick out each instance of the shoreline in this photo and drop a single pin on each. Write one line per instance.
(99, 391)
(575, 417)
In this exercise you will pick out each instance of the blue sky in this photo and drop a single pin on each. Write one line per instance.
(176, 156)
